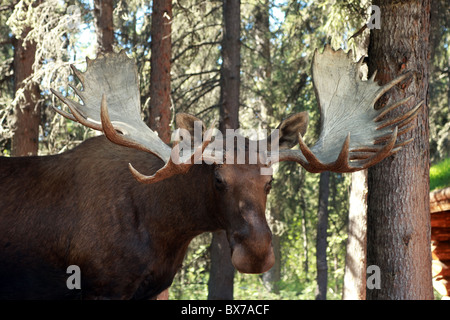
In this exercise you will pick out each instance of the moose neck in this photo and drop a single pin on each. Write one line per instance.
(175, 211)
(183, 205)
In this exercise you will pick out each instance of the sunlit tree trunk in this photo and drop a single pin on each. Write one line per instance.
(27, 111)
(355, 258)
(356, 248)
(321, 244)
(104, 26)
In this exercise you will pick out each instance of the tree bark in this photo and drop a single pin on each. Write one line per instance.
(161, 47)
(398, 222)
(264, 71)
(27, 111)
(302, 204)
(356, 249)
(230, 76)
(355, 259)
(262, 74)
(160, 102)
(104, 25)
(321, 244)
(304, 234)
(221, 275)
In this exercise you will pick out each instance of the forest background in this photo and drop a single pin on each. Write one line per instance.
(277, 42)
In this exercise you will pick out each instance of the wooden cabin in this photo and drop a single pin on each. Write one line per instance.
(440, 240)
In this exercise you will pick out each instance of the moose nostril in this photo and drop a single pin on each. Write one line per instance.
(257, 237)
(240, 236)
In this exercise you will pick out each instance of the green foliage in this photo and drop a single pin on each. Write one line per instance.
(440, 175)
(196, 37)
(191, 282)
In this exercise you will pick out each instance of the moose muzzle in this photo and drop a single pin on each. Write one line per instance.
(251, 248)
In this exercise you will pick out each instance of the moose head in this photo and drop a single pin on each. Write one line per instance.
(354, 136)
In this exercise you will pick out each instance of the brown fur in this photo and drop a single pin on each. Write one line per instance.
(83, 207)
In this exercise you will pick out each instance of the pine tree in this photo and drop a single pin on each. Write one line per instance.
(161, 47)
(222, 271)
(398, 222)
(27, 110)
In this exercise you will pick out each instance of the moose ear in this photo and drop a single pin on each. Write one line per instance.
(186, 121)
(290, 128)
(189, 122)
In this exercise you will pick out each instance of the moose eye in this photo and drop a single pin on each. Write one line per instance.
(268, 186)
(219, 182)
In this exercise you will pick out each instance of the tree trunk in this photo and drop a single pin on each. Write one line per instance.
(355, 259)
(230, 77)
(302, 204)
(304, 234)
(356, 249)
(160, 102)
(321, 244)
(263, 72)
(27, 111)
(221, 275)
(161, 46)
(104, 26)
(398, 218)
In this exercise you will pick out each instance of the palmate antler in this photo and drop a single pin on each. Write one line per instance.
(354, 135)
(111, 103)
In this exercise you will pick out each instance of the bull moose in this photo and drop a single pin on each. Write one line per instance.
(128, 232)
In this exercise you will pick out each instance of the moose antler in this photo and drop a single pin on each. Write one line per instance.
(111, 103)
(353, 135)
